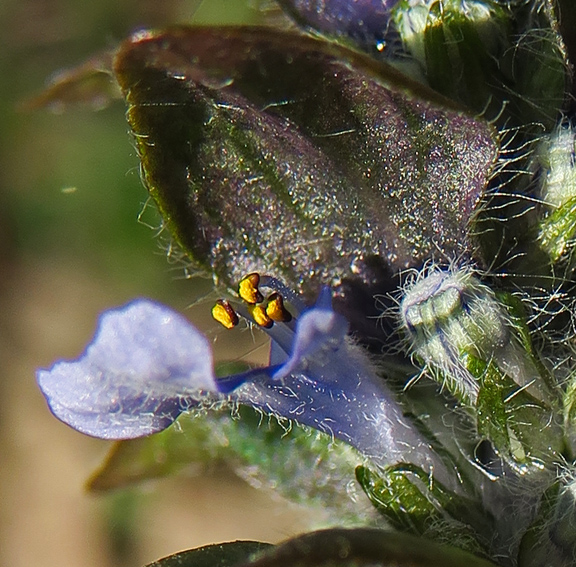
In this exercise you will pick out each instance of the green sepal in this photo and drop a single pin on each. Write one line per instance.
(492, 419)
(453, 41)
(541, 74)
(439, 68)
(521, 428)
(517, 319)
(557, 231)
(398, 499)
(413, 502)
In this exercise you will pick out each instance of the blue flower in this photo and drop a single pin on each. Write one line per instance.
(147, 364)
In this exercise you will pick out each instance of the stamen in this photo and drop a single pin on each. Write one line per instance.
(264, 313)
(248, 289)
(275, 309)
(260, 316)
(224, 313)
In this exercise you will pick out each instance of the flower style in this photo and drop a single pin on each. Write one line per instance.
(147, 364)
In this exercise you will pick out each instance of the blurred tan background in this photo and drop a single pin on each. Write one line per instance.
(71, 246)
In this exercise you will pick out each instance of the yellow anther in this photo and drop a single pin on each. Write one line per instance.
(259, 315)
(275, 309)
(225, 314)
(248, 289)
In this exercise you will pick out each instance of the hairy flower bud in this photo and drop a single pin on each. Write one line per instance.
(475, 346)
(558, 192)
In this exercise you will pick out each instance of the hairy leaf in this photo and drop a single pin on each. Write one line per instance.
(274, 152)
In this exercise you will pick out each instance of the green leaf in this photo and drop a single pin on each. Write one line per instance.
(218, 555)
(364, 548)
(299, 463)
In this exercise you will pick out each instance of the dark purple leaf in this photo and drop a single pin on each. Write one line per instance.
(277, 153)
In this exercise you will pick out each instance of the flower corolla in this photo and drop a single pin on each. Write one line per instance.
(147, 364)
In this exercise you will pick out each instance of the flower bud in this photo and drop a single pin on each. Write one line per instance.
(474, 345)
(558, 192)
(488, 54)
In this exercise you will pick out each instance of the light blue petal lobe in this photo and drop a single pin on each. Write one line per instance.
(318, 331)
(145, 365)
(339, 393)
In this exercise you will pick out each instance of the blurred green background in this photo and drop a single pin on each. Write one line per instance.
(71, 246)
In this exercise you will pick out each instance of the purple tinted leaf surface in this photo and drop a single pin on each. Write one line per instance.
(273, 152)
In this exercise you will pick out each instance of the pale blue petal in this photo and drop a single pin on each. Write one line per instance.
(145, 366)
(319, 331)
(328, 383)
(340, 394)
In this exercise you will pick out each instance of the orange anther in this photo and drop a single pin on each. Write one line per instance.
(225, 314)
(275, 309)
(259, 315)
(248, 289)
